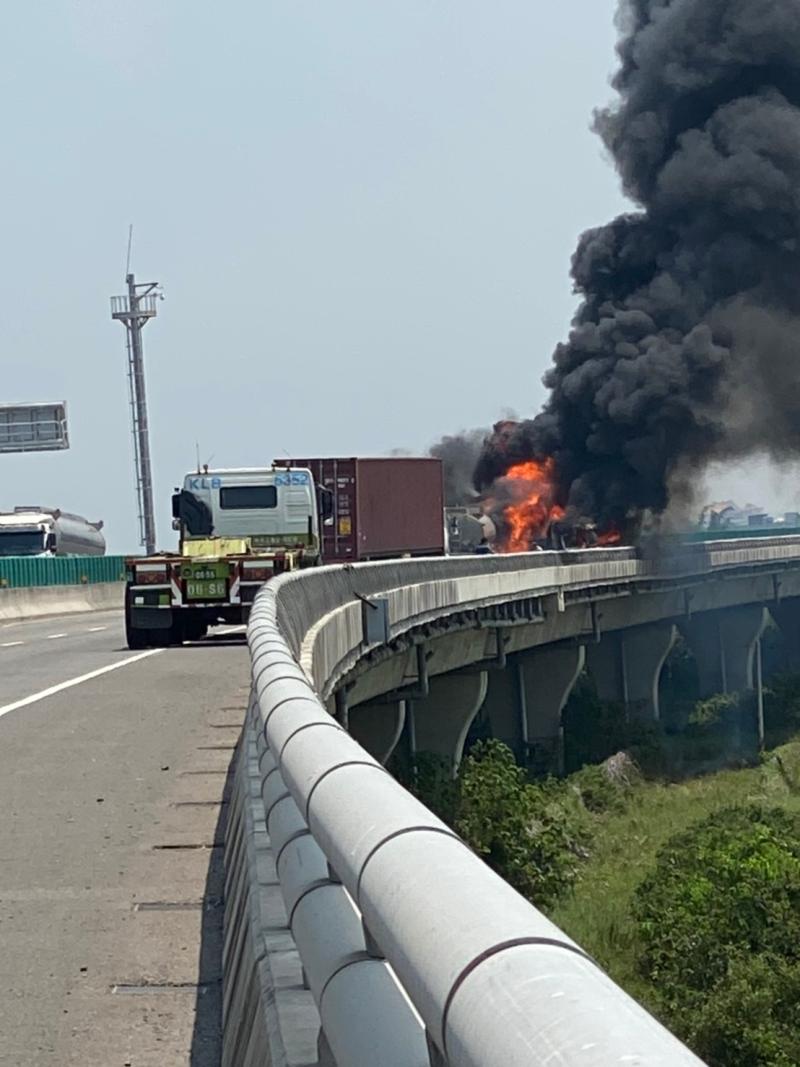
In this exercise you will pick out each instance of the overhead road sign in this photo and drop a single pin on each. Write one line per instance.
(33, 427)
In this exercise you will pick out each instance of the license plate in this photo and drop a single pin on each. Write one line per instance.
(206, 589)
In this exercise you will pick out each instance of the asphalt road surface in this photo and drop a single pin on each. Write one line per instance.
(113, 778)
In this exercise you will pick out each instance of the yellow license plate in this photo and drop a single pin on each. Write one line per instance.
(207, 589)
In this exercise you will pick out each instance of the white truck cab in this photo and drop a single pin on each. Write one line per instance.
(264, 507)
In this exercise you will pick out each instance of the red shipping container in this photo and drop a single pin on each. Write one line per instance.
(382, 508)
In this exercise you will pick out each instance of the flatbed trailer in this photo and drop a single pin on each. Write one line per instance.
(175, 598)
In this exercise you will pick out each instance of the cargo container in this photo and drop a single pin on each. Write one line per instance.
(381, 508)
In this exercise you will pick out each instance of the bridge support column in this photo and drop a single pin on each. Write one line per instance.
(604, 664)
(443, 718)
(741, 632)
(545, 679)
(626, 666)
(378, 727)
(646, 649)
(725, 645)
(505, 709)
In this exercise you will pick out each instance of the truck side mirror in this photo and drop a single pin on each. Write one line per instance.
(193, 513)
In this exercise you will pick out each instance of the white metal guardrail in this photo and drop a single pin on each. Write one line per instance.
(415, 951)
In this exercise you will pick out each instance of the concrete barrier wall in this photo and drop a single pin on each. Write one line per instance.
(36, 601)
(22, 572)
(269, 1018)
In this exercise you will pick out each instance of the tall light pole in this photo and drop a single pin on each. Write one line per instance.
(134, 309)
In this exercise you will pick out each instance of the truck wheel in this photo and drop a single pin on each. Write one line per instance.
(138, 639)
(167, 638)
(195, 630)
(135, 637)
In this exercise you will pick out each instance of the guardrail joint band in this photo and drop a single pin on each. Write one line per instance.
(443, 830)
(495, 950)
(331, 770)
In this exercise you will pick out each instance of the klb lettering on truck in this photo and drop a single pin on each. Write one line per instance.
(280, 479)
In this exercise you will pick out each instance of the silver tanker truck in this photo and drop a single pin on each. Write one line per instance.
(38, 531)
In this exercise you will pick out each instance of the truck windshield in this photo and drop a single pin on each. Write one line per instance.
(21, 542)
(248, 496)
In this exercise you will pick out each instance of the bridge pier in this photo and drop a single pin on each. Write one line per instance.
(727, 650)
(626, 666)
(377, 727)
(443, 718)
(524, 703)
(725, 646)
(504, 709)
(545, 679)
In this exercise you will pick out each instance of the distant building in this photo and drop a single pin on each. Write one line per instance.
(717, 516)
(726, 515)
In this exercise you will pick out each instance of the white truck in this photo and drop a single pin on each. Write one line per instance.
(38, 531)
(237, 528)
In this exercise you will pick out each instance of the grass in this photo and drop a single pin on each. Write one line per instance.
(596, 912)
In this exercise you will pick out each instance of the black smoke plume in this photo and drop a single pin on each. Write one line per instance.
(459, 454)
(686, 346)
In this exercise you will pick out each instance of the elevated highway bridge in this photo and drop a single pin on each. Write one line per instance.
(434, 959)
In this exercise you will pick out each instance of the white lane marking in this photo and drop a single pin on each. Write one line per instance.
(96, 629)
(35, 697)
(11, 644)
(53, 637)
(222, 631)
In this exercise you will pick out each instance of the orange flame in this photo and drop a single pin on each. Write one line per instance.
(612, 536)
(533, 507)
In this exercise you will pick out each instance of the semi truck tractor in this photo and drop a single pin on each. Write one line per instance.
(38, 531)
(238, 528)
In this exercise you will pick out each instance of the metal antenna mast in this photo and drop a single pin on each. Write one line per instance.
(134, 309)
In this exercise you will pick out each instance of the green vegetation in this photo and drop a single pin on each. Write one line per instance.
(750, 1018)
(730, 881)
(683, 884)
(690, 893)
(525, 831)
(721, 909)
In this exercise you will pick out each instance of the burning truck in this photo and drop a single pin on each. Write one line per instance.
(525, 506)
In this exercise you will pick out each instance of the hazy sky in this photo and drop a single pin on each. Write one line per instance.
(362, 214)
